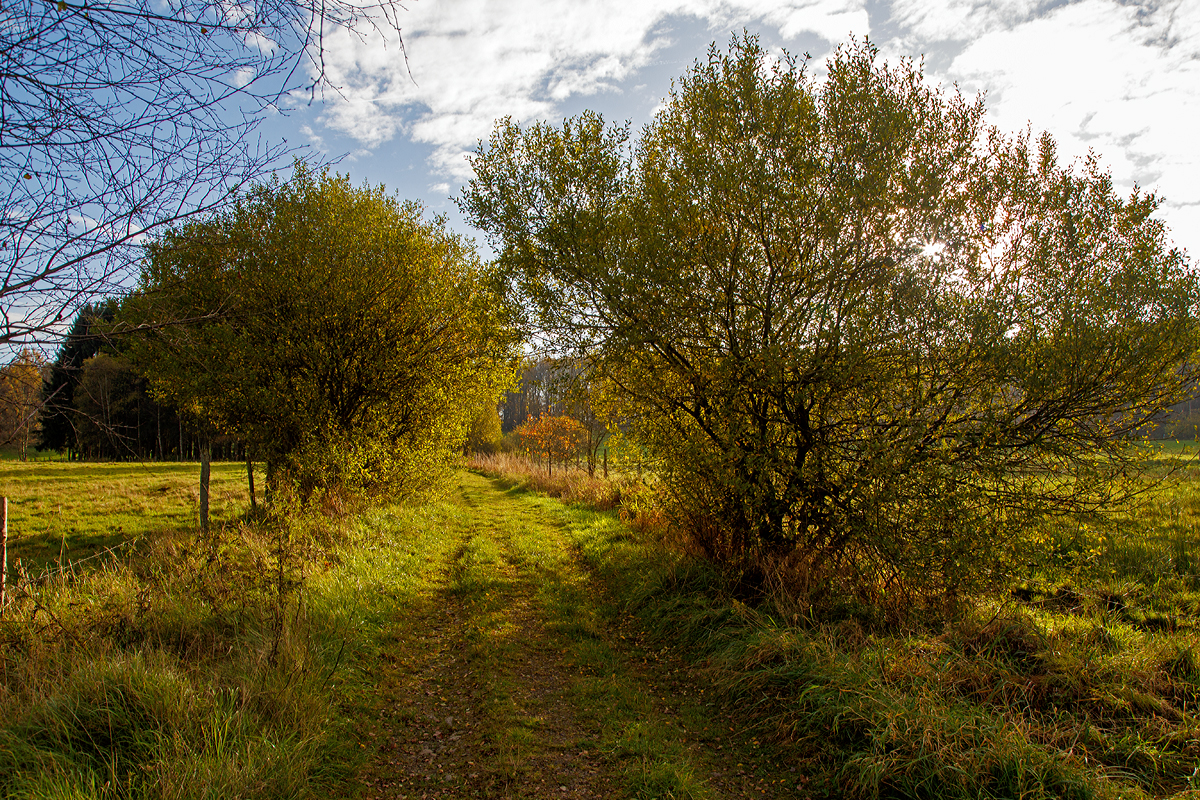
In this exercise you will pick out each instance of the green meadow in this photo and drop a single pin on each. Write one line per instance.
(70, 511)
(501, 642)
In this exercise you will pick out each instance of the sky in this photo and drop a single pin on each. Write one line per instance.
(1120, 78)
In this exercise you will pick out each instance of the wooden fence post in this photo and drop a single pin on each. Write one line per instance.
(205, 471)
(250, 481)
(3, 550)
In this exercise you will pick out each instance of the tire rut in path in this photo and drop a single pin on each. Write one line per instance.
(428, 731)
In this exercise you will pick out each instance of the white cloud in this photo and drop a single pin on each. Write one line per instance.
(264, 45)
(1120, 78)
(832, 21)
(474, 61)
(959, 20)
(314, 138)
(243, 76)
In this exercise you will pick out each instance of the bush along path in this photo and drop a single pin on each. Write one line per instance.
(511, 672)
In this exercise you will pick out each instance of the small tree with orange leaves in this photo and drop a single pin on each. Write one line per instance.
(556, 438)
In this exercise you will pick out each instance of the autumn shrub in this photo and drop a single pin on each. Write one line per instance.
(557, 439)
(484, 435)
(857, 326)
(341, 333)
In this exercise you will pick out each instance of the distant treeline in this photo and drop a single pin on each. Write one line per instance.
(97, 407)
(546, 388)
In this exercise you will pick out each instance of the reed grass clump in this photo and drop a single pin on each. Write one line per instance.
(194, 669)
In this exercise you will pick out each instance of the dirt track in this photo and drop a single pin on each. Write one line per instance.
(494, 685)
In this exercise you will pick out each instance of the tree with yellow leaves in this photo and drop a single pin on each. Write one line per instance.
(21, 399)
(865, 333)
(346, 337)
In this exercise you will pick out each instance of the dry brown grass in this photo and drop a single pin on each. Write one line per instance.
(570, 484)
(641, 505)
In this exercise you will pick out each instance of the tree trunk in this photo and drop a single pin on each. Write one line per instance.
(205, 470)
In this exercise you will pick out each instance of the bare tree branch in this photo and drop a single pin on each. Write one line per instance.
(117, 118)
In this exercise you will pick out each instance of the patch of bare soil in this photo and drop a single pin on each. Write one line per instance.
(556, 756)
(428, 730)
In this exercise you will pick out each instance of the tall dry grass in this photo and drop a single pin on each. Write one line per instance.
(639, 503)
(195, 667)
(570, 484)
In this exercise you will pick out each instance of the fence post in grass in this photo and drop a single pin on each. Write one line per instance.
(250, 481)
(205, 470)
(3, 551)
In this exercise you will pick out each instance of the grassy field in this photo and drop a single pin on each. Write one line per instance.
(338, 660)
(1081, 678)
(500, 643)
(74, 511)
(225, 665)
(1174, 447)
